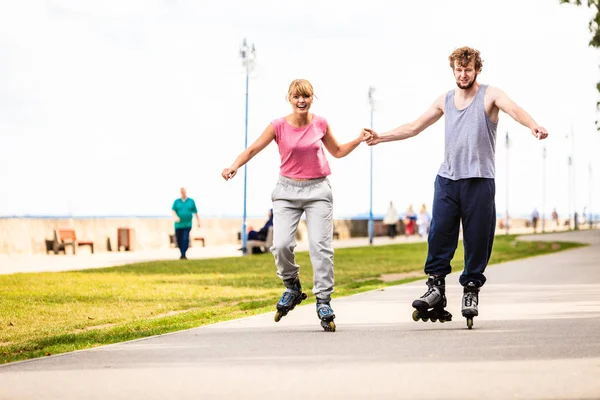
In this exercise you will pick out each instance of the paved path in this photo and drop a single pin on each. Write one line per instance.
(538, 338)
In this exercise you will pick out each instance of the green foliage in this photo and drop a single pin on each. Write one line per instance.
(594, 22)
(593, 27)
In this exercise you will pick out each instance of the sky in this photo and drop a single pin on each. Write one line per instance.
(108, 108)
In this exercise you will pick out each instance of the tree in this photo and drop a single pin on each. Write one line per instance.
(595, 40)
(594, 22)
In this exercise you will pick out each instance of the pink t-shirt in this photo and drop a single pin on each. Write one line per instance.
(301, 149)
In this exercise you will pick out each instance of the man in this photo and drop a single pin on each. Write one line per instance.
(391, 220)
(465, 186)
(535, 216)
(184, 209)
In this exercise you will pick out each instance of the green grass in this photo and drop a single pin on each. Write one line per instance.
(51, 313)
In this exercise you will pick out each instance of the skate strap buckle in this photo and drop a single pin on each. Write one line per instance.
(324, 310)
(469, 299)
(287, 297)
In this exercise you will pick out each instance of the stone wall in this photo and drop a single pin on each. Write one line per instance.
(28, 235)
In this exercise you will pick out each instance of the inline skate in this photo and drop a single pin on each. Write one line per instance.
(470, 302)
(326, 315)
(431, 305)
(292, 296)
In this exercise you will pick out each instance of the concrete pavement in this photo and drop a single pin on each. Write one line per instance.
(538, 337)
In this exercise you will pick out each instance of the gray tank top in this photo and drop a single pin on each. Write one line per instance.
(470, 140)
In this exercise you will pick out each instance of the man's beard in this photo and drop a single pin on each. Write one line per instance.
(468, 86)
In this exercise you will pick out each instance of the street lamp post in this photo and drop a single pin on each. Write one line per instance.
(571, 176)
(371, 227)
(506, 214)
(590, 212)
(544, 189)
(248, 55)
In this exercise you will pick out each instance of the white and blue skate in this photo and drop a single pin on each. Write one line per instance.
(290, 299)
(326, 315)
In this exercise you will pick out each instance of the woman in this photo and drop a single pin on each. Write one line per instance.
(423, 221)
(303, 187)
(410, 219)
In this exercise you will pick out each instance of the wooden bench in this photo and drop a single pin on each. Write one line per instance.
(173, 240)
(64, 238)
(198, 239)
(265, 245)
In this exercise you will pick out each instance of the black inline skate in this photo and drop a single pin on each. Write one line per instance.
(431, 305)
(470, 301)
(326, 315)
(292, 296)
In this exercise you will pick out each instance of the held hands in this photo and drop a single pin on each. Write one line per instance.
(372, 138)
(228, 173)
(364, 136)
(539, 132)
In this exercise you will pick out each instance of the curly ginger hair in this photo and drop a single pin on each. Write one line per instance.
(463, 57)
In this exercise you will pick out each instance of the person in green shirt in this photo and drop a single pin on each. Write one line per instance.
(184, 210)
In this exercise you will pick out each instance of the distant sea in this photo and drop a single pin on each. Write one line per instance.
(361, 216)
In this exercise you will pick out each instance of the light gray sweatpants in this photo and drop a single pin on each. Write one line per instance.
(291, 199)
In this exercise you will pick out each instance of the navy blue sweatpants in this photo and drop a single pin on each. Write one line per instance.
(472, 201)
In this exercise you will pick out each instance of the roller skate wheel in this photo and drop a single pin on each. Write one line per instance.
(332, 326)
(328, 326)
(442, 321)
(304, 296)
(415, 315)
(278, 316)
(424, 319)
(433, 320)
(470, 323)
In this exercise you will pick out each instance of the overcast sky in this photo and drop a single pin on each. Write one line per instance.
(108, 108)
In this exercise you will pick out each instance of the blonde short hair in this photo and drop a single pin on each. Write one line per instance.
(300, 87)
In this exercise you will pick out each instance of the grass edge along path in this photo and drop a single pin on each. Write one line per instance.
(51, 313)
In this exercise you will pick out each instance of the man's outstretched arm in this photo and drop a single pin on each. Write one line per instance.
(433, 114)
(503, 102)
